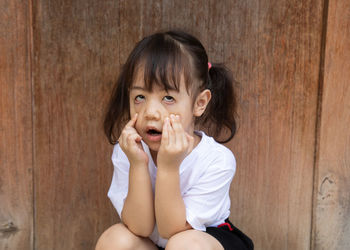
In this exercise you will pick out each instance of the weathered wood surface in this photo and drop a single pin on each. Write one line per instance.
(332, 204)
(16, 192)
(273, 48)
(76, 61)
(274, 53)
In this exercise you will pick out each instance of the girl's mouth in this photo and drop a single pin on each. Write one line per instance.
(154, 135)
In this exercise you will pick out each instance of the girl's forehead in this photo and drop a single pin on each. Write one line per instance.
(157, 81)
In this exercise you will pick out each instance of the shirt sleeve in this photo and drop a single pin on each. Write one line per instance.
(120, 182)
(208, 200)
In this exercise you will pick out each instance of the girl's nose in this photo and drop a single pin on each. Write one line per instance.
(153, 111)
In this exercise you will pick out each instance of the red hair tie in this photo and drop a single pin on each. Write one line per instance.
(209, 65)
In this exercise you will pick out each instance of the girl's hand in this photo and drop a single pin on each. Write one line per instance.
(176, 144)
(130, 142)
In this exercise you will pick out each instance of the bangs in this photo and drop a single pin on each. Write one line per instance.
(163, 62)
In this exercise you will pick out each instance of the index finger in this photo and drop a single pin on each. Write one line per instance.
(132, 122)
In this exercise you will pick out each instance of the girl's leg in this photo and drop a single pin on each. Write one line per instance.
(193, 240)
(119, 237)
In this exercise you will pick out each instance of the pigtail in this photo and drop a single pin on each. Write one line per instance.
(221, 110)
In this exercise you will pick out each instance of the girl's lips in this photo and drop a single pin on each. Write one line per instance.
(153, 134)
(154, 137)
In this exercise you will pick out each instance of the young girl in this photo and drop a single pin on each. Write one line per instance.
(171, 183)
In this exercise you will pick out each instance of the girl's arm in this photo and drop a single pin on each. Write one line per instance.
(138, 210)
(169, 205)
(170, 209)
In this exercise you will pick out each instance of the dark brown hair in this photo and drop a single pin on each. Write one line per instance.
(165, 56)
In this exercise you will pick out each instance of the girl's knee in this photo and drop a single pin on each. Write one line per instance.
(183, 241)
(194, 240)
(117, 237)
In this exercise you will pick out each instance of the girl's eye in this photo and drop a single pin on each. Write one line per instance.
(139, 98)
(168, 98)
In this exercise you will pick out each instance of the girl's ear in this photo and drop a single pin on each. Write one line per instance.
(201, 102)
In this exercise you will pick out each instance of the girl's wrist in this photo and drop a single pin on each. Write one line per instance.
(168, 162)
(167, 169)
(138, 164)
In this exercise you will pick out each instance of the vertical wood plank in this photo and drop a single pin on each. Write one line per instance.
(273, 48)
(16, 192)
(216, 31)
(76, 62)
(151, 17)
(190, 16)
(131, 16)
(332, 211)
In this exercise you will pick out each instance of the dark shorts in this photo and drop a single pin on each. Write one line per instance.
(230, 237)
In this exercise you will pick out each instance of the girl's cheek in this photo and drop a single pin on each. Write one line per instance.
(171, 109)
(134, 109)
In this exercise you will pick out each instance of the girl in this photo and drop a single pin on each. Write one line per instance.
(171, 183)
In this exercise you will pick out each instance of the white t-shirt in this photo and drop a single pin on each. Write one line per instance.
(205, 177)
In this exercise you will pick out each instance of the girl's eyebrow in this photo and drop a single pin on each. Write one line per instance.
(145, 89)
(137, 87)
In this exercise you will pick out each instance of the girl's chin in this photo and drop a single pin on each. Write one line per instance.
(153, 145)
(153, 149)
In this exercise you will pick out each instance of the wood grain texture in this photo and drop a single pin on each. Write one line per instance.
(274, 54)
(332, 213)
(190, 16)
(16, 192)
(273, 49)
(76, 62)
(51, 136)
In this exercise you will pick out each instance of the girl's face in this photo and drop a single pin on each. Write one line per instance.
(154, 106)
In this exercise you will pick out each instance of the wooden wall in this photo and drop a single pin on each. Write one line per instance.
(331, 227)
(16, 130)
(58, 62)
(75, 52)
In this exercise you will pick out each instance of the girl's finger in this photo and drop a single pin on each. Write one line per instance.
(179, 132)
(175, 122)
(126, 132)
(171, 132)
(190, 140)
(182, 133)
(176, 128)
(133, 139)
(132, 122)
(165, 132)
(185, 141)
